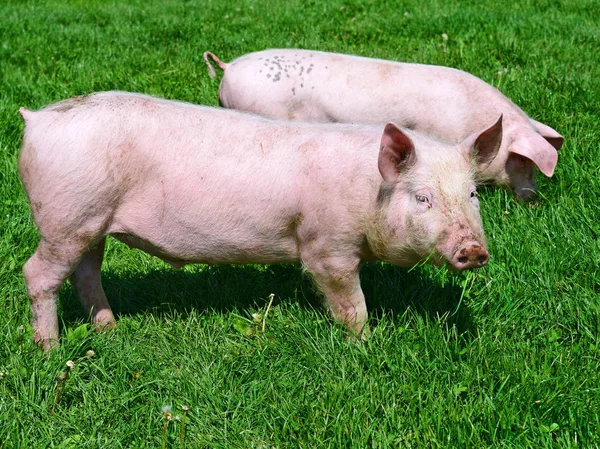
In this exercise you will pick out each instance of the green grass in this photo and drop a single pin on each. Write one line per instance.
(507, 356)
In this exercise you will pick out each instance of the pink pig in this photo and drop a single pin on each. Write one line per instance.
(439, 101)
(192, 184)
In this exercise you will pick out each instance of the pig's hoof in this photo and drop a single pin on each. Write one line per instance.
(47, 345)
(359, 337)
(105, 326)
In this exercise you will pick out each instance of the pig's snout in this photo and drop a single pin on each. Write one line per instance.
(472, 256)
(527, 195)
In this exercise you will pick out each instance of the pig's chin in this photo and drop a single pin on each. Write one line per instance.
(434, 258)
(439, 260)
(448, 264)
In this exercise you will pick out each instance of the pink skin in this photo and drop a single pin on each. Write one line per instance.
(439, 101)
(192, 184)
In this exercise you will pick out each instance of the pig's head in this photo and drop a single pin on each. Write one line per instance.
(527, 147)
(427, 204)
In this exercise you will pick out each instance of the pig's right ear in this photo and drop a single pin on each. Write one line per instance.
(551, 136)
(485, 146)
(396, 154)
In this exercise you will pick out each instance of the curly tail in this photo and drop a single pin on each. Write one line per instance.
(221, 64)
(26, 114)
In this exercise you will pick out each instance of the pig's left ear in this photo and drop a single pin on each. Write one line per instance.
(534, 147)
(396, 154)
(484, 146)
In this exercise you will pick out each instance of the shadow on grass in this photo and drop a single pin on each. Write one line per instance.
(389, 290)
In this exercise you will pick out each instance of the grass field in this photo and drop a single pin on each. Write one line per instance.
(506, 356)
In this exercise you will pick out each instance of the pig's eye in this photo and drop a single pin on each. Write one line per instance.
(422, 199)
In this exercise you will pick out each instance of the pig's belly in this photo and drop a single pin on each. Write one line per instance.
(220, 221)
(211, 249)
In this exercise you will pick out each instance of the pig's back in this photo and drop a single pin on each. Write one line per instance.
(134, 138)
(326, 87)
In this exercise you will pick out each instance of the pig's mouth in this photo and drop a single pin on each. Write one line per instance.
(527, 195)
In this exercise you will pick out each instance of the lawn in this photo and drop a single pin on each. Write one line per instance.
(505, 356)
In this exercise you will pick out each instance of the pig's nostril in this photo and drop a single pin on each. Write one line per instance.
(473, 256)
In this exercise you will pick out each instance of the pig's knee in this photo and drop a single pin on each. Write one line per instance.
(43, 278)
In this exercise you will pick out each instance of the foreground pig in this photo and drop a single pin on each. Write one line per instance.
(446, 103)
(193, 184)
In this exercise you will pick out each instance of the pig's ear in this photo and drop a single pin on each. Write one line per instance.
(534, 147)
(551, 136)
(484, 146)
(396, 154)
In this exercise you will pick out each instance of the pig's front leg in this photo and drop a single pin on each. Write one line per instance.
(337, 278)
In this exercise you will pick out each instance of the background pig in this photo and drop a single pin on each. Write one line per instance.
(195, 184)
(440, 101)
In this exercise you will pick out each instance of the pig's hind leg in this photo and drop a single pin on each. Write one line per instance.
(86, 282)
(45, 272)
